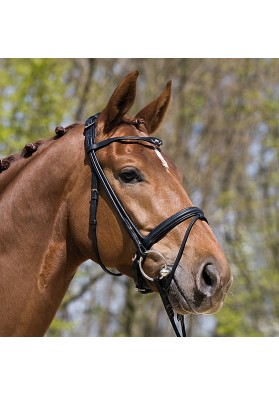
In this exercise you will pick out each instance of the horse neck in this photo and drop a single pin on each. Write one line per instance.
(37, 255)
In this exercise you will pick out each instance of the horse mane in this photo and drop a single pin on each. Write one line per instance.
(31, 148)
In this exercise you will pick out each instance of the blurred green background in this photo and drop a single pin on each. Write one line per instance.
(222, 130)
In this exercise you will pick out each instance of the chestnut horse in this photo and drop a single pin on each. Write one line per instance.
(45, 233)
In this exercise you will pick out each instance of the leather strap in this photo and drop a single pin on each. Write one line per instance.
(93, 216)
(123, 139)
(140, 281)
(168, 308)
(167, 225)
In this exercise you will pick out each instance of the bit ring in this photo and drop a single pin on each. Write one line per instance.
(165, 266)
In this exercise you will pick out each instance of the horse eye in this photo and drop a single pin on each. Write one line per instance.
(130, 176)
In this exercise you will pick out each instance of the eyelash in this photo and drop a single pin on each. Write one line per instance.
(130, 176)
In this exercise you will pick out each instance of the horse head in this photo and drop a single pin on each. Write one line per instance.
(149, 187)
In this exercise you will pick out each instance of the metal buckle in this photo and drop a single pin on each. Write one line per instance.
(86, 126)
(94, 194)
(142, 291)
(156, 141)
(91, 121)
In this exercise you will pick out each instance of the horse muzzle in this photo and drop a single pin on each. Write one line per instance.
(199, 292)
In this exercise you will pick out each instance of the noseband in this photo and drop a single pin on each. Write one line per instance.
(143, 244)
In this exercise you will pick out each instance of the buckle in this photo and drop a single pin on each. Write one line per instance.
(86, 126)
(94, 194)
(91, 121)
(156, 141)
(144, 291)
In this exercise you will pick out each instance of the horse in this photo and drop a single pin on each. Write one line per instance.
(49, 192)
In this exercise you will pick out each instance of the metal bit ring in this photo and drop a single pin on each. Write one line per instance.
(164, 270)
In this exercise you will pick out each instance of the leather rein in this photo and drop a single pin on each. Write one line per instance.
(143, 244)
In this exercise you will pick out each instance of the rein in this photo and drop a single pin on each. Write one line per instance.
(143, 244)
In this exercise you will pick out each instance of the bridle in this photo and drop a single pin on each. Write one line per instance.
(143, 244)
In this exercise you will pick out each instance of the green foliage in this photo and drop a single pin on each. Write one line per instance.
(34, 98)
(58, 326)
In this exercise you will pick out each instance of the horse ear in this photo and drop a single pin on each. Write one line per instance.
(120, 102)
(153, 113)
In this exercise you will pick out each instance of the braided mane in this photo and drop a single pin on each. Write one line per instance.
(31, 148)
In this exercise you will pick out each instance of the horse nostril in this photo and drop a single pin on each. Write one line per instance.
(208, 275)
(209, 279)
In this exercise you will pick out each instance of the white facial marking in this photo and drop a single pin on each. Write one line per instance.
(164, 162)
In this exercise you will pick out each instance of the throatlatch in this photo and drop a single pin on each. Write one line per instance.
(143, 244)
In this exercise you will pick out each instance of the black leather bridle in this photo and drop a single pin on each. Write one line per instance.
(143, 244)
